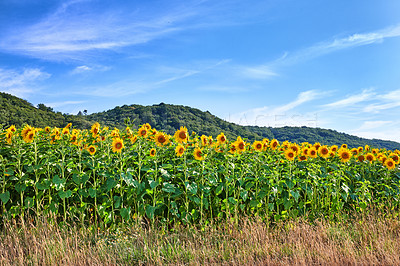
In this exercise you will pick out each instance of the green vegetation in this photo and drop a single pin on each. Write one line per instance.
(15, 111)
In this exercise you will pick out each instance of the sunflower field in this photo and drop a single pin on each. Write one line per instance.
(110, 176)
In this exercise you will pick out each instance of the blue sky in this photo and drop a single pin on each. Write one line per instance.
(328, 64)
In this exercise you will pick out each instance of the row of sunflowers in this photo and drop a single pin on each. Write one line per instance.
(109, 176)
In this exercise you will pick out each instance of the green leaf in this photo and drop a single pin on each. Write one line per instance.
(45, 184)
(117, 202)
(128, 178)
(110, 184)
(295, 194)
(150, 211)
(5, 197)
(192, 188)
(29, 202)
(244, 195)
(153, 184)
(92, 192)
(58, 182)
(20, 187)
(169, 188)
(125, 213)
(219, 189)
(65, 194)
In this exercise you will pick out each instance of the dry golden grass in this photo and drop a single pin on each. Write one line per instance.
(363, 241)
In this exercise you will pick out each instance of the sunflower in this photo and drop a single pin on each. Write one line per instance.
(344, 154)
(323, 151)
(26, 130)
(354, 151)
(147, 126)
(161, 139)
(198, 154)
(47, 129)
(204, 140)
(294, 147)
(366, 148)
(73, 139)
(240, 144)
(181, 135)
(360, 149)
(95, 129)
(334, 148)
(9, 137)
(179, 150)
(233, 149)
(395, 157)
(115, 133)
(11, 129)
(143, 131)
(117, 145)
(290, 154)
(221, 139)
(344, 146)
(91, 149)
(258, 145)
(317, 145)
(153, 152)
(274, 144)
(65, 131)
(312, 152)
(390, 164)
(361, 158)
(29, 136)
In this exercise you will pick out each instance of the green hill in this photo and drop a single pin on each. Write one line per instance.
(169, 118)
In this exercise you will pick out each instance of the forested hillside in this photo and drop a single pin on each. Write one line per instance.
(169, 118)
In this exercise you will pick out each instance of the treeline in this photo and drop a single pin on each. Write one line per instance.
(169, 118)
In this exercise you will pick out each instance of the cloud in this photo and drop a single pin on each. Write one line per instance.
(23, 82)
(366, 95)
(326, 47)
(385, 101)
(87, 69)
(280, 116)
(257, 72)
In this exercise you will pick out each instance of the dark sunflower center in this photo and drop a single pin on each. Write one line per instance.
(118, 145)
(182, 135)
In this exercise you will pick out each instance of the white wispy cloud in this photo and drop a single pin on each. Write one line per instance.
(329, 46)
(383, 102)
(23, 82)
(280, 115)
(88, 69)
(365, 95)
(76, 28)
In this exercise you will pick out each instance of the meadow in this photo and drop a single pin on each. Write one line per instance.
(188, 198)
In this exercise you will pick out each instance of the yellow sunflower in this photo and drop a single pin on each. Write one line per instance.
(181, 135)
(390, 164)
(312, 152)
(143, 131)
(117, 145)
(29, 136)
(240, 144)
(344, 154)
(204, 140)
(91, 149)
(221, 139)
(26, 130)
(161, 139)
(198, 154)
(95, 129)
(11, 129)
(344, 146)
(179, 150)
(153, 152)
(334, 148)
(290, 154)
(274, 144)
(258, 145)
(323, 151)
(370, 157)
(361, 158)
